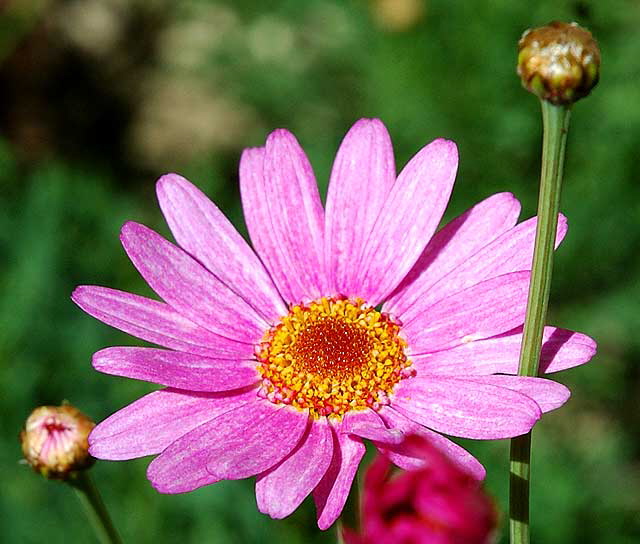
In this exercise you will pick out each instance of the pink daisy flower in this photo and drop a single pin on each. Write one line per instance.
(277, 361)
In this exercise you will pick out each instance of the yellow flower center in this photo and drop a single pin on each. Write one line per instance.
(332, 356)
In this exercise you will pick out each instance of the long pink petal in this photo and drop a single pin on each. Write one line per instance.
(202, 229)
(176, 369)
(156, 322)
(183, 466)
(454, 244)
(253, 439)
(510, 252)
(548, 394)
(368, 424)
(297, 213)
(284, 216)
(362, 176)
(481, 311)
(280, 490)
(257, 217)
(464, 408)
(406, 461)
(331, 493)
(153, 422)
(408, 219)
(561, 349)
(189, 287)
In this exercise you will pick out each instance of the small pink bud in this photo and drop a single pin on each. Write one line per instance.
(54, 441)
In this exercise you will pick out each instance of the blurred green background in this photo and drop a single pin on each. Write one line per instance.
(100, 97)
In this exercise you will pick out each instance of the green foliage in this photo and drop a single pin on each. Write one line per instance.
(315, 67)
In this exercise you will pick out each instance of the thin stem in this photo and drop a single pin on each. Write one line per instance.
(555, 125)
(95, 508)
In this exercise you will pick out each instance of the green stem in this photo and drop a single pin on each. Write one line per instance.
(555, 125)
(95, 508)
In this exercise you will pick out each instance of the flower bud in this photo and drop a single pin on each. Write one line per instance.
(54, 441)
(559, 62)
(438, 503)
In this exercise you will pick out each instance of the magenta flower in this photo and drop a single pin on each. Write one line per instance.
(437, 504)
(278, 362)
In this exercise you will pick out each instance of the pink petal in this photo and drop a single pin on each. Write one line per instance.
(454, 244)
(176, 369)
(368, 424)
(189, 287)
(548, 394)
(362, 176)
(561, 349)
(284, 215)
(150, 424)
(156, 322)
(257, 215)
(253, 439)
(186, 464)
(203, 230)
(461, 407)
(406, 461)
(280, 490)
(407, 220)
(510, 252)
(481, 311)
(331, 493)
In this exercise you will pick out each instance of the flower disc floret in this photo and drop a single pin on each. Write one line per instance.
(332, 356)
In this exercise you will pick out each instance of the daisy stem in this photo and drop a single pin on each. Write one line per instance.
(555, 121)
(96, 510)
